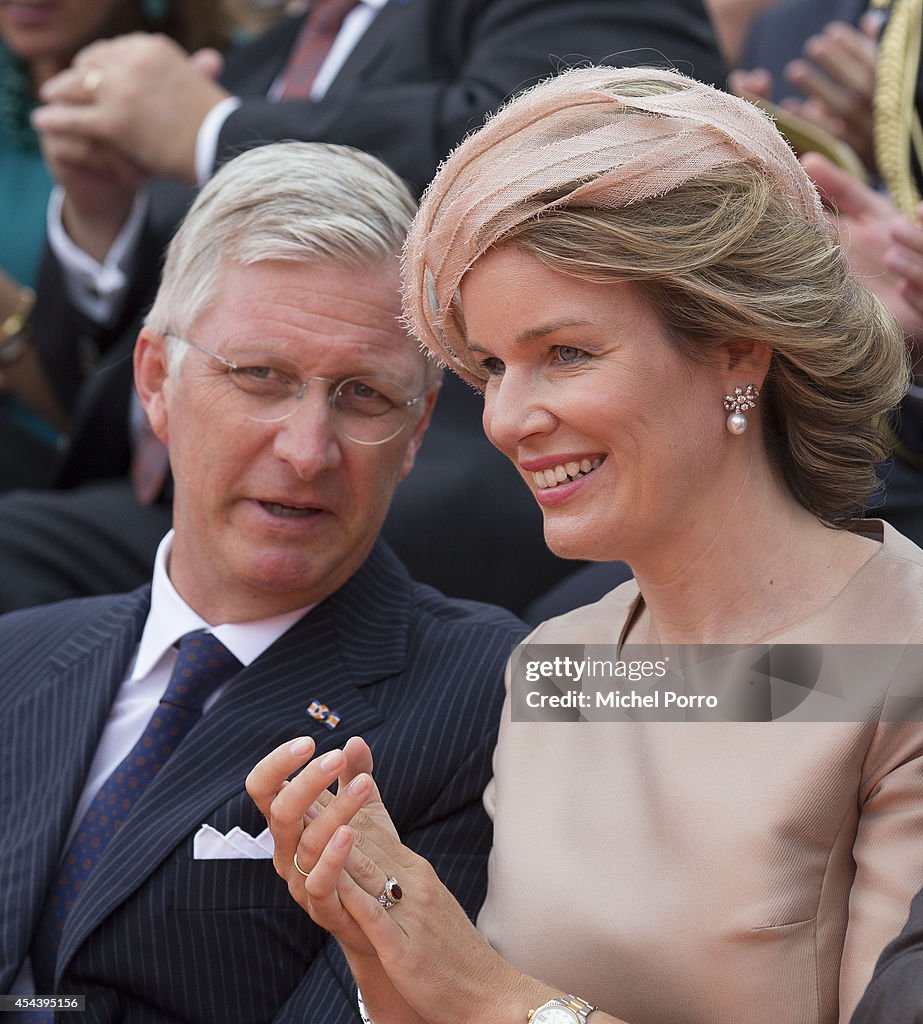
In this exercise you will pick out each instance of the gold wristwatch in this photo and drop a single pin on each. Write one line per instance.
(562, 1010)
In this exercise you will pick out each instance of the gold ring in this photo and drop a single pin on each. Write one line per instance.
(91, 80)
(298, 867)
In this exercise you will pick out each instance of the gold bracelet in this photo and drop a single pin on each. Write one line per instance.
(15, 331)
(16, 322)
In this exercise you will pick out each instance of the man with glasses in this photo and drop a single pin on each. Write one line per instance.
(134, 869)
(402, 79)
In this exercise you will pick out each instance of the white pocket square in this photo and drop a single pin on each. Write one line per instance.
(210, 844)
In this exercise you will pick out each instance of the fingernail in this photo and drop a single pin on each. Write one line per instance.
(300, 746)
(313, 811)
(333, 760)
(359, 785)
(342, 837)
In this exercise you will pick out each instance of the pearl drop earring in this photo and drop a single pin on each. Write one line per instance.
(737, 404)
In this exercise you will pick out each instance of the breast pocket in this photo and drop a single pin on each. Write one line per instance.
(231, 884)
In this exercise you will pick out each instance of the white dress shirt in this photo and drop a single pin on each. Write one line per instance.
(147, 678)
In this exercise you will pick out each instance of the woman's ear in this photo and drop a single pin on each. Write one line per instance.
(745, 362)
(151, 373)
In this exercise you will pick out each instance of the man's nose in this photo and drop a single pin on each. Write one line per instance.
(308, 439)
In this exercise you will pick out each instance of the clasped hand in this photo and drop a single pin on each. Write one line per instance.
(140, 96)
(421, 960)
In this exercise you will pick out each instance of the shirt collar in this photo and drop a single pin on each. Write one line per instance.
(171, 618)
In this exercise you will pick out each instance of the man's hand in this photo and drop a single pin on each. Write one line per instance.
(140, 95)
(837, 75)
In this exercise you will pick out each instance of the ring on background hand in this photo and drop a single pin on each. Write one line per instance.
(391, 894)
(298, 867)
(91, 80)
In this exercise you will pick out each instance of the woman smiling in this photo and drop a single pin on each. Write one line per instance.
(638, 274)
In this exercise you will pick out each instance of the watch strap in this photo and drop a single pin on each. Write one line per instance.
(577, 1006)
(580, 1006)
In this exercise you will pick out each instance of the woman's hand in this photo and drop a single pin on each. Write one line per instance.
(432, 954)
(303, 815)
(290, 807)
(421, 958)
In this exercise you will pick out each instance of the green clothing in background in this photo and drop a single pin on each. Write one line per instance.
(24, 180)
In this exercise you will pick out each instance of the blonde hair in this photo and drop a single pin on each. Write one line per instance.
(307, 202)
(698, 203)
(723, 257)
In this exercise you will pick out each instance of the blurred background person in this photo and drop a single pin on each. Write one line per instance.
(37, 41)
(251, 18)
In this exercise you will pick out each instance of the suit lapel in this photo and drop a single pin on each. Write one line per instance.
(50, 738)
(250, 69)
(387, 31)
(347, 642)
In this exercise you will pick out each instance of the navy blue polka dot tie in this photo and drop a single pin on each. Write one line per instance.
(203, 664)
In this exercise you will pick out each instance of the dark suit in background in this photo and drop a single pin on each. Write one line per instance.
(895, 993)
(425, 73)
(157, 936)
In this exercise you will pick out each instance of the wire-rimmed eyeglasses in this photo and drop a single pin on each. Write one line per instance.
(368, 410)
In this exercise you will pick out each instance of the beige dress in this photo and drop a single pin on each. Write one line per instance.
(714, 872)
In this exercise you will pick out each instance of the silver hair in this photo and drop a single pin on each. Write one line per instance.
(305, 202)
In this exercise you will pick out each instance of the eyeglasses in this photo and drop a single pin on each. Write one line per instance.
(368, 410)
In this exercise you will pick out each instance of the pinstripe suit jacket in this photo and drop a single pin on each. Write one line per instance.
(158, 936)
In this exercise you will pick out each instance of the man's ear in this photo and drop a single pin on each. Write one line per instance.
(744, 362)
(419, 430)
(151, 374)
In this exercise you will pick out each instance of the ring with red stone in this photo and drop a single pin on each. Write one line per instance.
(391, 894)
